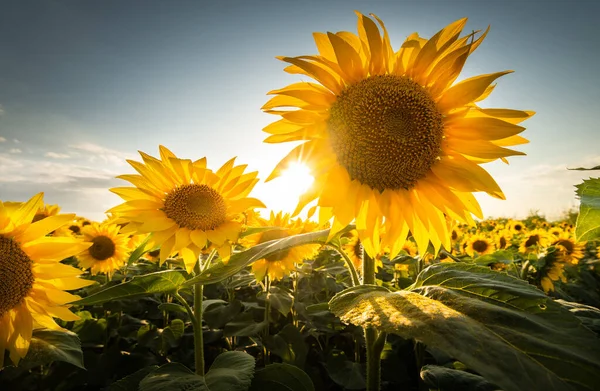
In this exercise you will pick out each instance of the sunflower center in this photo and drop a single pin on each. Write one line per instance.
(102, 248)
(518, 227)
(480, 246)
(533, 240)
(196, 207)
(503, 242)
(75, 229)
(386, 132)
(272, 235)
(16, 276)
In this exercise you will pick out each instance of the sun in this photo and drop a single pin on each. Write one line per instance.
(298, 179)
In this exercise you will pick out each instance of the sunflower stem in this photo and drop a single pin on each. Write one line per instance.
(374, 340)
(198, 336)
(267, 318)
(350, 265)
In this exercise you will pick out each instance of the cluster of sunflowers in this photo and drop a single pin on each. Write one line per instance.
(394, 145)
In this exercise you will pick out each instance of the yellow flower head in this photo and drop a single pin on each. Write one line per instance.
(281, 263)
(354, 249)
(185, 204)
(569, 250)
(516, 227)
(388, 136)
(533, 241)
(32, 279)
(109, 250)
(479, 244)
(503, 239)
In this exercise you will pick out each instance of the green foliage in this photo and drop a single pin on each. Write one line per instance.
(494, 323)
(442, 378)
(588, 221)
(281, 377)
(48, 346)
(159, 282)
(231, 371)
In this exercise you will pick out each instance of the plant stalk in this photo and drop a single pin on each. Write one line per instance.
(373, 340)
(267, 317)
(198, 336)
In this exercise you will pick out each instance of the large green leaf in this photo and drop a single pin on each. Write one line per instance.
(160, 282)
(231, 371)
(131, 382)
(52, 345)
(495, 324)
(585, 169)
(442, 378)
(220, 271)
(588, 220)
(173, 377)
(281, 377)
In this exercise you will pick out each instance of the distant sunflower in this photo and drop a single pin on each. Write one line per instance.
(109, 250)
(479, 244)
(569, 250)
(388, 137)
(32, 279)
(503, 239)
(410, 247)
(281, 263)
(555, 231)
(533, 241)
(552, 272)
(354, 250)
(516, 227)
(185, 204)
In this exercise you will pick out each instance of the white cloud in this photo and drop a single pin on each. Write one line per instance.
(95, 153)
(14, 150)
(2, 110)
(16, 141)
(55, 155)
(2, 139)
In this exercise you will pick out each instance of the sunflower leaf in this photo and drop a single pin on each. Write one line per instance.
(52, 345)
(139, 251)
(281, 377)
(160, 282)
(220, 271)
(588, 220)
(231, 371)
(584, 169)
(443, 378)
(172, 376)
(493, 323)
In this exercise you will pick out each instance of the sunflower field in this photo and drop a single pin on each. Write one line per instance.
(392, 281)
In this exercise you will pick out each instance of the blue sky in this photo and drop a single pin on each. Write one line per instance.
(84, 85)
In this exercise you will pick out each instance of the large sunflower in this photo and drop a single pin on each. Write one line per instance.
(479, 244)
(281, 263)
(389, 138)
(185, 204)
(32, 279)
(569, 250)
(109, 250)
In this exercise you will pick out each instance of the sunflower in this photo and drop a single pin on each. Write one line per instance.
(554, 271)
(516, 227)
(32, 279)
(556, 231)
(479, 244)
(569, 249)
(109, 249)
(354, 249)
(185, 204)
(533, 241)
(391, 133)
(410, 247)
(281, 263)
(503, 239)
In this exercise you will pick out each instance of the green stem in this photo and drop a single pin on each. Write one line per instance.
(374, 341)
(350, 265)
(267, 317)
(187, 307)
(524, 270)
(198, 337)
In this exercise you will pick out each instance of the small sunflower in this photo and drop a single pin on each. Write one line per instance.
(533, 241)
(109, 249)
(185, 205)
(556, 231)
(516, 227)
(569, 250)
(388, 136)
(553, 272)
(410, 247)
(354, 249)
(503, 239)
(479, 244)
(281, 263)
(32, 279)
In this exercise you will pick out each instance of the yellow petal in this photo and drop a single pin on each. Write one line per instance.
(43, 227)
(467, 91)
